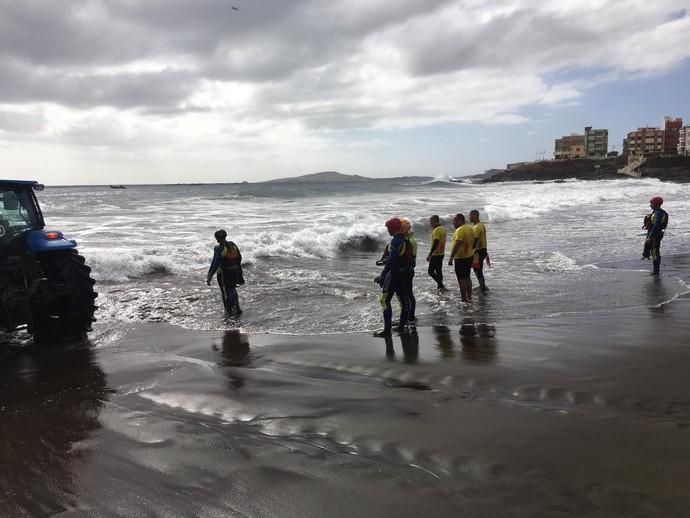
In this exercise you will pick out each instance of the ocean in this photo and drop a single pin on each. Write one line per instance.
(309, 249)
(532, 401)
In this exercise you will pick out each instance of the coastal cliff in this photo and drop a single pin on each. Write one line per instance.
(559, 170)
(672, 169)
(675, 169)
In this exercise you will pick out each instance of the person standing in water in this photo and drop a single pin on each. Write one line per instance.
(437, 251)
(480, 249)
(461, 254)
(227, 262)
(393, 277)
(657, 224)
(411, 301)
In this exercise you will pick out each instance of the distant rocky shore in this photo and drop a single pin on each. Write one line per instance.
(336, 177)
(674, 169)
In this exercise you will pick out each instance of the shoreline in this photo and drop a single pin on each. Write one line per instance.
(518, 418)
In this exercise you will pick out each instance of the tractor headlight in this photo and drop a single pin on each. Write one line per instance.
(53, 235)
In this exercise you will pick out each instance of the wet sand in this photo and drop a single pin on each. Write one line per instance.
(585, 415)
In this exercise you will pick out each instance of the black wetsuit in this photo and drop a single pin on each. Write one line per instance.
(227, 261)
(658, 222)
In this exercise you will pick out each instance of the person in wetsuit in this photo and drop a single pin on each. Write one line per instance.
(411, 301)
(227, 262)
(393, 278)
(480, 249)
(436, 252)
(657, 224)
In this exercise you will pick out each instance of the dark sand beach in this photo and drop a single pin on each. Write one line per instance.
(578, 415)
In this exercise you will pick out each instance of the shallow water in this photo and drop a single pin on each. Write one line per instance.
(310, 249)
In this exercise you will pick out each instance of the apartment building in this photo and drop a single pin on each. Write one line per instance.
(645, 141)
(684, 141)
(672, 129)
(570, 146)
(596, 143)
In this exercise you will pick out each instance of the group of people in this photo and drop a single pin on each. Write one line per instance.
(468, 252)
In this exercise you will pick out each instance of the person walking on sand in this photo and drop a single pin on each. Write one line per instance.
(480, 249)
(437, 251)
(657, 224)
(393, 277)
(461, 254)
(227, 262)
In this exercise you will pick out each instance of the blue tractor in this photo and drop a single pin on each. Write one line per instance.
(45, 284)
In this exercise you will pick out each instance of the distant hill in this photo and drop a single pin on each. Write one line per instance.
(336, 177)
(324, 176)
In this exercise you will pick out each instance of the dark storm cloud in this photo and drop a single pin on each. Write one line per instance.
(22, 84)
(67, 33)
(519, 39)
(300, 58)
(50, 48)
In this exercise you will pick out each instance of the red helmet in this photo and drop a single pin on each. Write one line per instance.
(394, 225)
(656, 202)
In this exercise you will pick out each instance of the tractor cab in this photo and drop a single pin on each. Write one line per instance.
(19, 210)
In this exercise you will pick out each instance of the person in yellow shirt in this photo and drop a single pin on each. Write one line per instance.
(481, 250)
(437, 251)
(462, 252)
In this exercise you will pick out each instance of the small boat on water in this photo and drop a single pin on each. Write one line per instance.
(118, 187)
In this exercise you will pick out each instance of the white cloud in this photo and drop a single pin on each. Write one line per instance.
(280, 79)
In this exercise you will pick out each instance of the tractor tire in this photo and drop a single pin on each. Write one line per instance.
(69, 316)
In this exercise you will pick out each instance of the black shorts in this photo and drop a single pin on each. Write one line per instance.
(463, 267)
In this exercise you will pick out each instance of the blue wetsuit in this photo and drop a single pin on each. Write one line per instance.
(394, 281)
(227, 261)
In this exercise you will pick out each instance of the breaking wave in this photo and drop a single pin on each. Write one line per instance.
(315, 242)
(529, 200)
(123, 265)
(559, 262)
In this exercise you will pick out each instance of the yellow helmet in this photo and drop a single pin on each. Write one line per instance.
(406, 225)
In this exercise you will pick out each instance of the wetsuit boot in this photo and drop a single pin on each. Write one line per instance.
(656, 256)
(387, 315)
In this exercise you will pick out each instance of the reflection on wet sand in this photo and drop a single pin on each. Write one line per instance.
(50, 400)
(409, 341)
(322, 418)
(657, 291)
(235, 351)
(444, 341)
(478, 341)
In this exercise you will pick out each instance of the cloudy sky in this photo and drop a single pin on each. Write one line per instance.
(148, 91)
